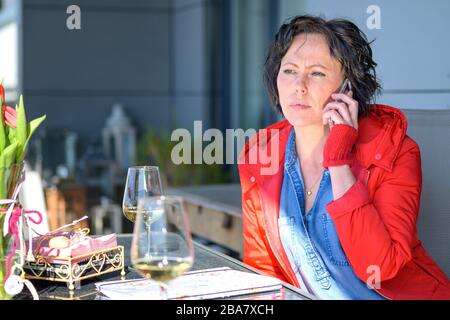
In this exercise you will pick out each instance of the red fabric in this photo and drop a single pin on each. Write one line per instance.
(338, 148)
(14, 231)
(375, 219)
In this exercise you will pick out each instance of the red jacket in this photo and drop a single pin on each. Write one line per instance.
(375, 219)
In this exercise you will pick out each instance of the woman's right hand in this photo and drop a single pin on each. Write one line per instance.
(343, 110)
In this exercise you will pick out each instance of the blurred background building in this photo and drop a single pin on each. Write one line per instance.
(138, 69)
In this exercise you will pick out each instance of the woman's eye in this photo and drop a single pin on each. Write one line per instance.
(318, 74)
(289, 71)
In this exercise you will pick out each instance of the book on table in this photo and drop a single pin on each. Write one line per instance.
(201, 284)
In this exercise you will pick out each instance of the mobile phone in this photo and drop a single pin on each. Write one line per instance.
(346, 84)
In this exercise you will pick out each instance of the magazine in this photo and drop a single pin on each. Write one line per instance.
(197, 285)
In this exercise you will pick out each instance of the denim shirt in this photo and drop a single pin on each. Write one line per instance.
(311, 242)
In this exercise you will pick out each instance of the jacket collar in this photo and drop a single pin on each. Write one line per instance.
(380, 135)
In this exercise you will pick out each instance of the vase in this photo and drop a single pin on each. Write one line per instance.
(9, 179)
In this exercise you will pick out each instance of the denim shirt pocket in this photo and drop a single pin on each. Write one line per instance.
(332, 242)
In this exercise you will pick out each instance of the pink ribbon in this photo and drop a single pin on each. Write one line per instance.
(14, 230)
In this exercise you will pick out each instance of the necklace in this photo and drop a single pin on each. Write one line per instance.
(309, 192)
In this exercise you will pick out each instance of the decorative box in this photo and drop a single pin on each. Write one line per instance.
(88, 258)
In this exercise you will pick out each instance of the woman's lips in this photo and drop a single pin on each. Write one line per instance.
(300, 106)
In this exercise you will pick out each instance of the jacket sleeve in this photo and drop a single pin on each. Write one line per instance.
(379, 231)
(256, 251)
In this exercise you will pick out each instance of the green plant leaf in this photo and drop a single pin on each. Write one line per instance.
(6, 160)
(7, 155)
(11, 135)
(2, 136)
(21, 129)
(31, 127)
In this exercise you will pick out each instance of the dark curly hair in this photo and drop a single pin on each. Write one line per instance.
(347, 44)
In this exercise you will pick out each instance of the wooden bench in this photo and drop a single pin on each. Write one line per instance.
(215, 213)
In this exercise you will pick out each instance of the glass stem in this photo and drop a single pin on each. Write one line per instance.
(148, 240)
(163, 291)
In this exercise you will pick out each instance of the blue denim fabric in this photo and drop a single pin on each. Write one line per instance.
(311, 242)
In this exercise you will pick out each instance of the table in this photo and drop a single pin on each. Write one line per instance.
(205, 258)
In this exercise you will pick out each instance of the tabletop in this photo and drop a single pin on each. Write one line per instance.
(205, 258)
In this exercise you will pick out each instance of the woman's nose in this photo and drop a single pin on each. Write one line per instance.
(300, 85)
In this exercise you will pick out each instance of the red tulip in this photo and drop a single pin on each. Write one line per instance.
(10, 116)
(2, 94)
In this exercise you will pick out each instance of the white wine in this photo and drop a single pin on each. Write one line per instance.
(149, 216)
(130, 213)
(163, 270)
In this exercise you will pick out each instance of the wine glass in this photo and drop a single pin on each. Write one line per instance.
(142, 181)
(162, 248)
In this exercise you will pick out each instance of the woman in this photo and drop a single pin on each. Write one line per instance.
(338, 217)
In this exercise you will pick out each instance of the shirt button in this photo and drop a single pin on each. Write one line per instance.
(252, 179)
(378, 156)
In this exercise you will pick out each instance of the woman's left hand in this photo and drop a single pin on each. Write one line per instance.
(344, 110)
